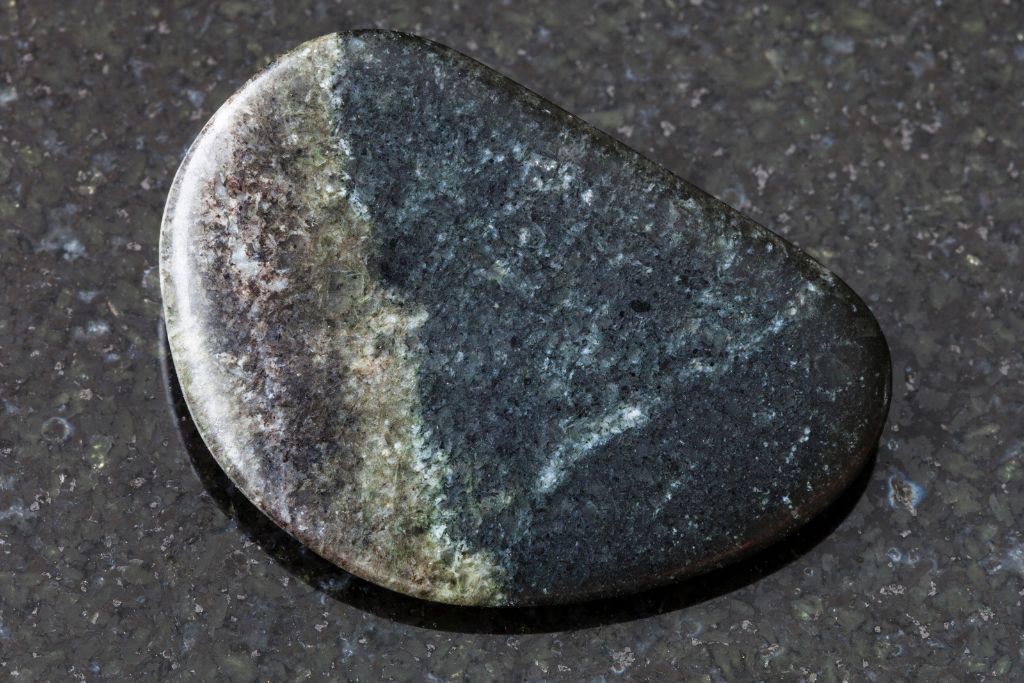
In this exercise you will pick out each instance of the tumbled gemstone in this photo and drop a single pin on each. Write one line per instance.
(470, 348)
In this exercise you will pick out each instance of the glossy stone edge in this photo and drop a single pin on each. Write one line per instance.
(764, 537)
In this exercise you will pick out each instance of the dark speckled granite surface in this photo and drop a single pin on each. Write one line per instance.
(884, 138)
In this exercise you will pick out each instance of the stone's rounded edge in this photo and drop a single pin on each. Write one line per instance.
(767, 537)
(175, 234)
(184, 362)
(223, 110)
(252, 489)
(783, 525)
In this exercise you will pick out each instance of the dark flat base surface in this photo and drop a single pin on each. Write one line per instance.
(884, 139)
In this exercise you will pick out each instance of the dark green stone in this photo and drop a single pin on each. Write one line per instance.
(469, 347)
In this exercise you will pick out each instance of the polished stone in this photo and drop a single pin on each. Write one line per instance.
(468, 347)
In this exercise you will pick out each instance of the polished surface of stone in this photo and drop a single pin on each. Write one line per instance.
(470, 348)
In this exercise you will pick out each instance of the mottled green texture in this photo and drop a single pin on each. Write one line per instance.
(883, 136)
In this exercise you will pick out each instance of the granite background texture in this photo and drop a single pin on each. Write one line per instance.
(884, 138)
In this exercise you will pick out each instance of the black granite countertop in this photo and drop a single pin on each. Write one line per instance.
(884, 138)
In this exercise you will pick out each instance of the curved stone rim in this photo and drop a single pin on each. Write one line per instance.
(766, 536)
